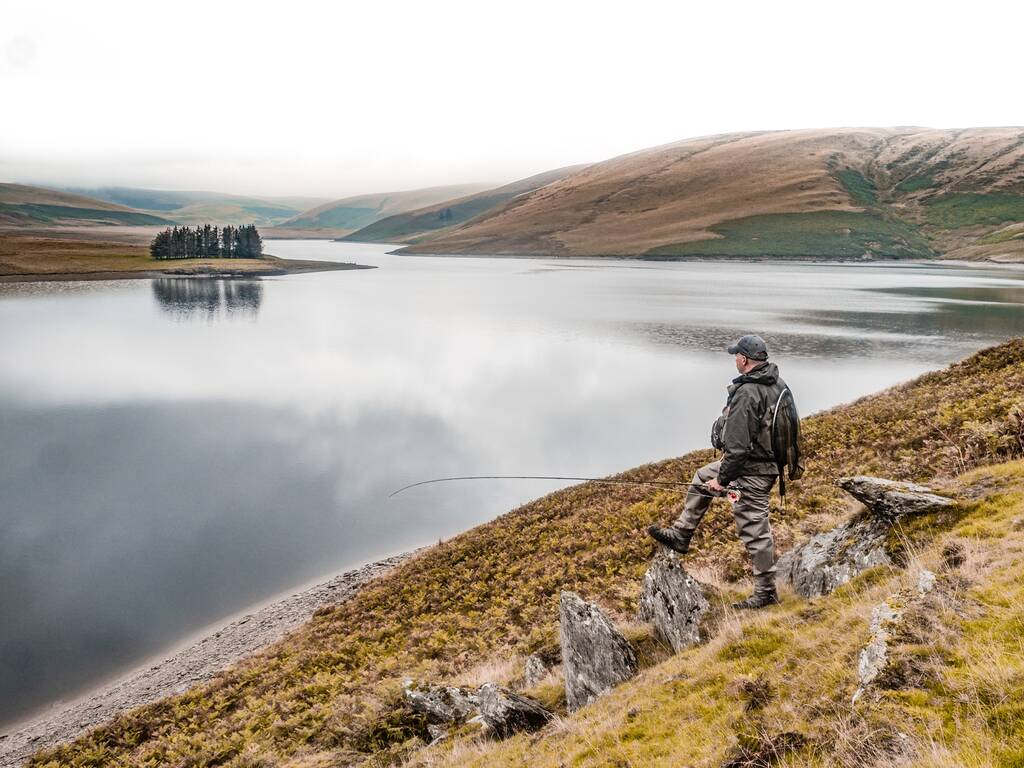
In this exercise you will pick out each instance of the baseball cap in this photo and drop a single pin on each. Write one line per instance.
(751, 346)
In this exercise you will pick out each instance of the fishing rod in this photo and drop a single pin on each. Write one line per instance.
(733, 495)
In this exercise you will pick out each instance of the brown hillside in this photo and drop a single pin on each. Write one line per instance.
(931, 190)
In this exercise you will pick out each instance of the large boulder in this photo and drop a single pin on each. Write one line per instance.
(595, 655)
(828, 560)
(674, 603)
(505, 713)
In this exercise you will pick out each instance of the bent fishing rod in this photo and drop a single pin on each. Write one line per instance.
(732, 494)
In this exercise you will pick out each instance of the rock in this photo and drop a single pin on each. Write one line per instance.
(442, 704)
(875, 654)
(534, 670)
(892, 499)
(505, 713)
(595, 655)
(673, 602)
(831, 559)
(925, 582)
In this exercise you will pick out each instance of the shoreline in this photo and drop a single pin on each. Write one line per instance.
(276, 268)
(195, 660)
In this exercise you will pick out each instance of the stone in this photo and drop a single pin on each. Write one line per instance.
(674, 603)
(595, 655)
(505, 713)
(828, 560)
(925, 582)
(534, 670)
(442, 704)
(892, 499)
(875, 654)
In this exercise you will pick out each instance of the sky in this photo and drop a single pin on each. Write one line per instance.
(334, 99)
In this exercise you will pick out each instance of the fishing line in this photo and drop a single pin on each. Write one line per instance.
(691, 487)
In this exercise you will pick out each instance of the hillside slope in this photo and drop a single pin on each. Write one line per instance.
(842, 193)
(26, 206)
(329, 694)
(424, 223)
(187, 207)
(352, 213)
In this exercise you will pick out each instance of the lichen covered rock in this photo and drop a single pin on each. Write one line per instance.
(595, 655)
(505, 713)
(674, 603)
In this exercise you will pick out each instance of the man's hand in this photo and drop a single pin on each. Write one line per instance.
(712, 485)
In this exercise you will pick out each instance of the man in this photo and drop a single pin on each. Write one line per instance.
(747, 466)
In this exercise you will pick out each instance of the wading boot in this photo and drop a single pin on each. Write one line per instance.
(760, 599)
(673, 538)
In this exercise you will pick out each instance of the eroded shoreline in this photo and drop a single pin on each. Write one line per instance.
(196, 663)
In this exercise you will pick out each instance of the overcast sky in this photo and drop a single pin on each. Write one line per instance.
(336, 98)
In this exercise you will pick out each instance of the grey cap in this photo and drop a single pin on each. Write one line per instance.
(751, 346)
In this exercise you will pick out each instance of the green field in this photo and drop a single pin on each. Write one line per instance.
(823, 234)
(968, 210)
(50, 213)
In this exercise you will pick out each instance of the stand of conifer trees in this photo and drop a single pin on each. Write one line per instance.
(208, 242)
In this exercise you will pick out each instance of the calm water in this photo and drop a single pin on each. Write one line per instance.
(176, 450)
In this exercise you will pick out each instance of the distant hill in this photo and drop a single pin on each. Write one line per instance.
(197, 207)
(838, 193)
(352, 213)
(423, 223)
(26, 206)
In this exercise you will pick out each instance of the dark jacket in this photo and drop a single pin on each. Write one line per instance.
(743, 431)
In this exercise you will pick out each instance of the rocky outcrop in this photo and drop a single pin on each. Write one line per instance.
(831, 559)
(888, 621)
(505, 713)
(499, 711)
(595, 655)
(674, 603)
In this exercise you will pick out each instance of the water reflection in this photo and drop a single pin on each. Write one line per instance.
(185, 298)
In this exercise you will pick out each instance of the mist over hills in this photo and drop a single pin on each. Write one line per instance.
(352, 213)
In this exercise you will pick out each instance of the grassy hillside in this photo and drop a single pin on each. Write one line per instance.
(424, 223)
(185, 207)
(26, 206)
(918, 192)
(470, 607)
(352, 213)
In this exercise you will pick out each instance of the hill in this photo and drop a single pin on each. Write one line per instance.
(841, 193)
(27, 206)
(472, 607)
(422, 224)
(341, 217)
(184, 207)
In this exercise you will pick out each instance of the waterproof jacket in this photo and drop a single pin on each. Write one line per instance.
(744, 431)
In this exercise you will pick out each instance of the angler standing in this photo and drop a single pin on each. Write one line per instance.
(758, 434)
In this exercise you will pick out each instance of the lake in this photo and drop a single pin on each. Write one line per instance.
(177, 450)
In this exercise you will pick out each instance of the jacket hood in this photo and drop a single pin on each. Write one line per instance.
(765, 373)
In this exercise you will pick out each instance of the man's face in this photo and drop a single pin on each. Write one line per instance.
(741, 362)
